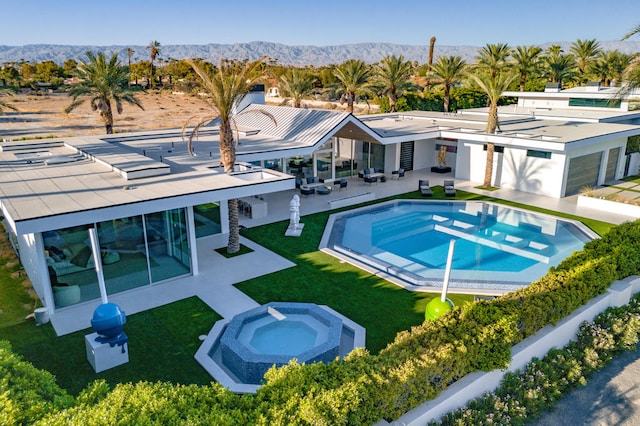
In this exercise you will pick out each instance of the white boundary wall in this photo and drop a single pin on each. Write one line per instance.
(475, 384)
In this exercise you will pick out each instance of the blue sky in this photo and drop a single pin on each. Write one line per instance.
(315, 22)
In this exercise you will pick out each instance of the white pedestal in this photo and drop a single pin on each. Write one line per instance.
(294, 232)
(102, 356)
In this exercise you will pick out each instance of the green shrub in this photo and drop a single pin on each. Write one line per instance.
(26, 393)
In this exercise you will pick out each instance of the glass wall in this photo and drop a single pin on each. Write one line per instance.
(70, 263)
(135, 251)
(207, 219)
(168, 244)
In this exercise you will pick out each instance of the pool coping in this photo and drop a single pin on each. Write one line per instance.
(416, 283)
(203, 357)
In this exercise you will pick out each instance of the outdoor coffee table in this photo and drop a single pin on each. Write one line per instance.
(324, 189)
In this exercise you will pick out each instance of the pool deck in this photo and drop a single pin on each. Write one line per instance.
(219, 292)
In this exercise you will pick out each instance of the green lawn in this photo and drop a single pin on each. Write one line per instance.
(162, 343)
(164, 340)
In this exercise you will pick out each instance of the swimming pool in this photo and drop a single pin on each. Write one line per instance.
(498, 248)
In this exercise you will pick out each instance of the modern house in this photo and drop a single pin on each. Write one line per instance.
(149, 200)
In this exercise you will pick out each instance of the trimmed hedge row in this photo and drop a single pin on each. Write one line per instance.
(364, 388)
(525, 394)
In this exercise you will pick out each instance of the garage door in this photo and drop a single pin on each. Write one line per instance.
(612, 162)
(583, 171)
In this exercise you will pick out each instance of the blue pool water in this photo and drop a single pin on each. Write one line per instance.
(286, 337)
(497, 247)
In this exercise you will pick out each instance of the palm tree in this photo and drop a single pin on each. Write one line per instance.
(227, 85)
(631, 75)
(493, 87)
(609, 66)
(585, 52)
(393, 76)
(493, 58)
(297, 84)
(104, 81)
(432, 44)
(154, 52)
(631, 33)
(3, 105)
(447, 71)
(526, 62)
(353, 80)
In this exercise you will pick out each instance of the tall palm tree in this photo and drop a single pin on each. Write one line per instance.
(493, 87)
(227, 85)
(393, 75)
(432, 44)
(353, 80)
(492, 58)
(297, 84)
(104, 81)
(447, 71)
(154, 52)
(526, 62)
(585, 52)
(561, 69)
(3, 104)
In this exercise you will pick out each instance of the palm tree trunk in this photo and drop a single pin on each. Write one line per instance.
(228, 159)
(523, 80)
(492, 125)
(392, 101)
(488, 170)
(446, 97)
(107, 116)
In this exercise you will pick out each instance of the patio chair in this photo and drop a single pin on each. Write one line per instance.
(397, 174)
(449, 190)
(343, 184)
(425, 189)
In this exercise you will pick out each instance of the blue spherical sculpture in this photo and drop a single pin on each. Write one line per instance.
(108, 320)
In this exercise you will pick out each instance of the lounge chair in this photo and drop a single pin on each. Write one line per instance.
(449, 190)
(425, 189)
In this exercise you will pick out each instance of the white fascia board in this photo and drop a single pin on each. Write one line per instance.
(149, 206)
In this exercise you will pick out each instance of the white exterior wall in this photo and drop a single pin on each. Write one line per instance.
(514, 170)
(477, 161)
(33, 261)
(543, 103)
(463, 162)
(424, 154)
(391, 157)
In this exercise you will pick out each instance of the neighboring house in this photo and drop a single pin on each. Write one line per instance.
(149, 200)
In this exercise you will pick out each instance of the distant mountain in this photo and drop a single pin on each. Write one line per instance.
(285, 55)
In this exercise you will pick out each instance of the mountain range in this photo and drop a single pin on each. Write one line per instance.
(284, 54)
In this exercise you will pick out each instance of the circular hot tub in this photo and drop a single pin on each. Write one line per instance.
(275, 333)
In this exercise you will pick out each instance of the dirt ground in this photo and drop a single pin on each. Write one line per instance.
(43, 116)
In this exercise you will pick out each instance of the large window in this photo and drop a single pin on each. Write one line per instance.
(207, 219)
(598, 103)
(538, 154)
(135, 252)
